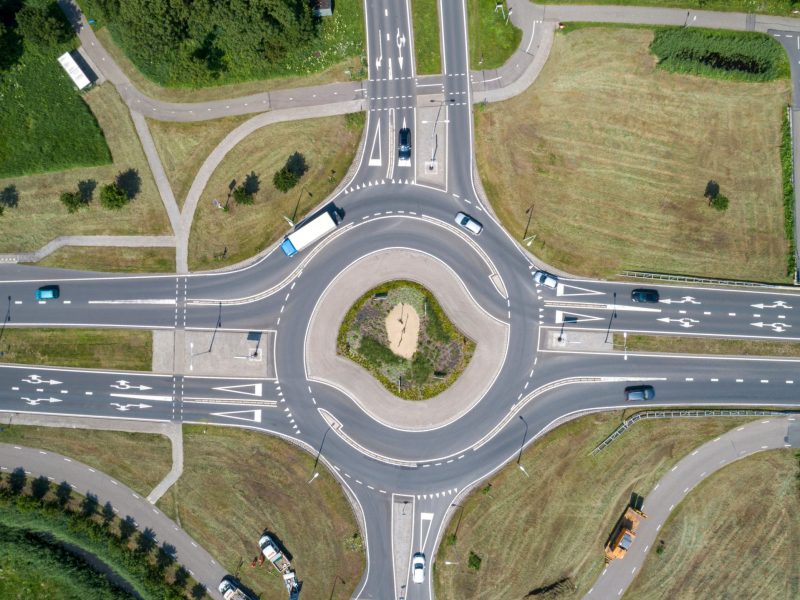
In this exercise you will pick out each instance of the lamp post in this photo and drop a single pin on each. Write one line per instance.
(528, 212)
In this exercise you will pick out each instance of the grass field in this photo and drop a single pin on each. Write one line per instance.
(425, 14)
(614, 156)
(328, 144)
(184, 146)
(734, 536)
(139, 460)
(40, 216)
(704, 345)
(45, 124)
(492, 40)
(112, 259)
(237, 483)
(534, 531)
(768, 7)
(129, 349)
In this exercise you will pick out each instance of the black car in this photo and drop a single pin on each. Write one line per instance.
(404, 151)
(639, 392)
(644, 295)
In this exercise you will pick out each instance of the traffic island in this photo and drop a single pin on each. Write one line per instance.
(323, 364)
(400, 334)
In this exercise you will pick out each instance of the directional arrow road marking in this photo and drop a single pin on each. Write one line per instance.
(36, 401)
(127, 407)
(37, 380)
(380, 47)
(776, 304)
(401, 41)
(561, 290)
(248, 389)
(777, 327)
(574, 317)
(684, 322)
(684, 300)
(239, 415)
(151, 397)
(125, 385)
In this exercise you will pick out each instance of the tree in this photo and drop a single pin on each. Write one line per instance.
(146, 541)
(126, 527)
(89, 505)
(16, 481)
(43, 24)
(63, 494)
(73, 201)
(284, 180)
(242, 196)
(39, 487)
(720, 202)
(113, 197)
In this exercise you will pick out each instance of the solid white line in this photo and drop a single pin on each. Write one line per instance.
(533, 34)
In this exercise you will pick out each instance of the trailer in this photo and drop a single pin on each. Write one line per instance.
(270, 551)
(308, 232)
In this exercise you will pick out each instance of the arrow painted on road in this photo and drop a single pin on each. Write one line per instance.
(37, 401)
(684, 322)
(37, 380)
(125, 385)
(684, 300)
(401, 41)
(379, 60)
(777, 327)
(127, 407)
(776, 304)
(239, 415)
(248, 389)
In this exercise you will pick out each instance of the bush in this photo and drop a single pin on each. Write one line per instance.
(741, 55)
(43, 25)
(73, 201)
(284, 180)
(787, 168)
(113, 197)
(474, 561)
(720, 202)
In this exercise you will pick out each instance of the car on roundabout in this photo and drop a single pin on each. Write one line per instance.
(468, 223)
(546, 279)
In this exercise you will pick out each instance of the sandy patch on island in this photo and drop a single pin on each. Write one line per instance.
(402, 327)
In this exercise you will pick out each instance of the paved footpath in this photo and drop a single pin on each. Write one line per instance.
(84, 479)
(768, 434)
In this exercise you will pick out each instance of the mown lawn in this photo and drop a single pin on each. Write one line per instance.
(45, 124)
(705, 345)
(764, 7)
(112, 259)
(129, 349)
(425, 14)
(237, 483)
(734, 536)
(219, 238)
(139, 460)
(40, 216)
(614, 156)
(492, 37)
(532, 532)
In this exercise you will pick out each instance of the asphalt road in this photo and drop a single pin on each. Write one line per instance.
(383, 207)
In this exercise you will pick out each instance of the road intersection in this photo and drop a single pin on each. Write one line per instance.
(387, 211)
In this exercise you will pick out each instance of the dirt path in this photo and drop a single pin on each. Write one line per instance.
(402, 327)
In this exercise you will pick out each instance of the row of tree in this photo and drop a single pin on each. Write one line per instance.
(113, 196)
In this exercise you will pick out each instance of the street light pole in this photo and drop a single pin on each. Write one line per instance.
(528, 212)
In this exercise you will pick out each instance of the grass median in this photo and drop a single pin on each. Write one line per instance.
(533, 532)
(222, 237)
(139, 460)
(426, 36)
(493, 38)
(704, 345)
(237, 483)
(764, 7)
(39, 215)
(736, 534)
(112, 259)
(614, 177)
(129, 349)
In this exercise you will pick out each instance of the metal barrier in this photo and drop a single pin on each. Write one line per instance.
(673, 414)
(705, 280)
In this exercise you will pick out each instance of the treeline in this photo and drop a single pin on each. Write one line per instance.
(200, 42)
(736, 55)
(52, 512)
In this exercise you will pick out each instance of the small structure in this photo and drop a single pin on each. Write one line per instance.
(75, 73)
(322, 8)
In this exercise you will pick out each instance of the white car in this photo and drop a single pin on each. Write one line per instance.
(418, 568)
(468, 223)
(544, 278)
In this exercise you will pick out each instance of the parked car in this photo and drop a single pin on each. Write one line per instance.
(468, 223)
(645, 295)
(418, 568)
(404, 147)
(47, 292)
(546, 279)
(639, 393)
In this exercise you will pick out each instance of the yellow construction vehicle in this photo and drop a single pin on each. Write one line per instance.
(624, 533)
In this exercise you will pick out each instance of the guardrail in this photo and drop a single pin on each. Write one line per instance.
(673, 414)
(691, 279)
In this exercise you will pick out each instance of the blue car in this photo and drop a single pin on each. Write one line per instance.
(47, 292)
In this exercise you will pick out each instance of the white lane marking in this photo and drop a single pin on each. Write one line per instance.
(167, 301)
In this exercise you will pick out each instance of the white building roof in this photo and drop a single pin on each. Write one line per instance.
(73, 70)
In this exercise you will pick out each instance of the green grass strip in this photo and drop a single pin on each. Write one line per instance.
(425, 14)
(763, 7)
(787, 169)
(493, 38)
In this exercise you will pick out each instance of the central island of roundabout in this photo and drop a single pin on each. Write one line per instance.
(403, 273)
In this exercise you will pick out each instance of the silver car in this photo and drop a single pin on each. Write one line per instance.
(546, 279)
(418, 568)
(468, 223)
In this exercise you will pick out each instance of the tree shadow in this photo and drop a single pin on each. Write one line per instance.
(10, 42)
(9, 196)
(86, 190)
(210, 54)
(198, 591)
(296, 163)
(712, 190)
(130, 182)
(252, 183)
